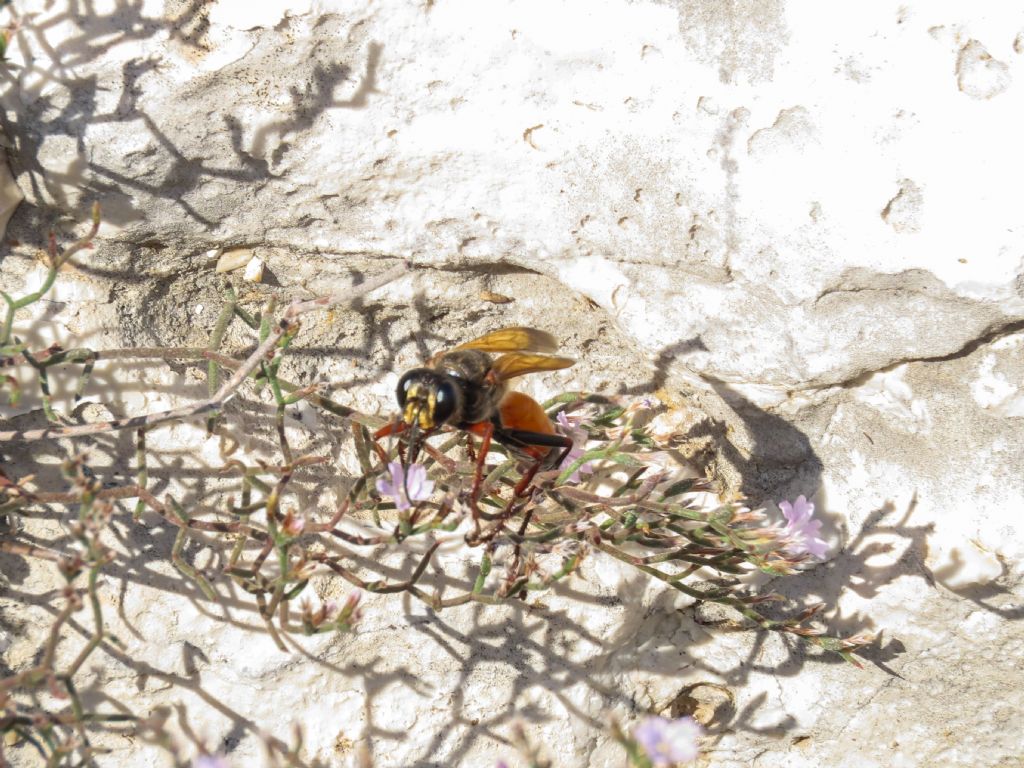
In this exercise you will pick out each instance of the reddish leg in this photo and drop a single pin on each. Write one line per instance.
(545, 448)
(485, 430)
(527, 478)
(396, 427)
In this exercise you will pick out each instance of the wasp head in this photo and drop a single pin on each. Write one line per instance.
(428, 399)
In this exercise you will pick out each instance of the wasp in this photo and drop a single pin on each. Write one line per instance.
(467, 388)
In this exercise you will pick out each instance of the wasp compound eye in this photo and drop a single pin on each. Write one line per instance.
(444, 402)
(403, 386)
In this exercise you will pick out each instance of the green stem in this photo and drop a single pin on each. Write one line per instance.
(97, 614)
(216, 339)
(142, 475)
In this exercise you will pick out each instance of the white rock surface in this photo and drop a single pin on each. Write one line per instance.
(802, 219)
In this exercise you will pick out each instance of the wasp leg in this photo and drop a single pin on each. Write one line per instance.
(396, 427)
(523, 439)
(485, 431)
(518, 438)
(535, 445)
(538, 445)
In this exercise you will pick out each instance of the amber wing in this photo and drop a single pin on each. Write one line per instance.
(519, 364)
(517, 339)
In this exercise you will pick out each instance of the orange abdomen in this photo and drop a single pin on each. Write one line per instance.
(519, 411)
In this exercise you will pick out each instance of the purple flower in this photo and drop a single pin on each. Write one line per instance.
(210, 761)
(405, 485)
(667, 742)
(802, 531)
(571, 428)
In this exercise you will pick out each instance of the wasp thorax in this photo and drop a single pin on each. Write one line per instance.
(427, 398)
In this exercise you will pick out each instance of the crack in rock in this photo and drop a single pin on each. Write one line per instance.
(988, 337)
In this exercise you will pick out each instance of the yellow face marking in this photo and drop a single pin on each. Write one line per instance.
(409, 415)
(431, 407)
(426, 422)
(415, 410)
(427, 414)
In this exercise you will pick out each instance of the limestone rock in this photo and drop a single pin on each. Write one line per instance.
(797, 223)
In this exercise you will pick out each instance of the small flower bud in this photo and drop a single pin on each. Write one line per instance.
(293, 524)
(303, 570)
(330, 608)
(54, 687)
(70, 567)
(351, 603)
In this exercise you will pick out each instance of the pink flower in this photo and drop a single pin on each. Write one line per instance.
(802, 531)
(570, 427)
(667, 742)
(405, 485)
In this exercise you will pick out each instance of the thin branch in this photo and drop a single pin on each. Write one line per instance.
(285, 325)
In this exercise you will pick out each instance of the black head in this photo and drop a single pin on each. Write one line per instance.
(428, 398)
